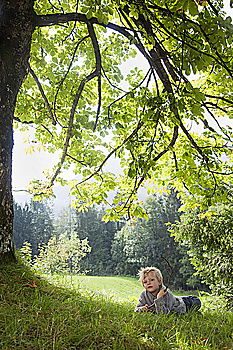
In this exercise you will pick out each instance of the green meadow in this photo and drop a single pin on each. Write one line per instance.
(86, 312)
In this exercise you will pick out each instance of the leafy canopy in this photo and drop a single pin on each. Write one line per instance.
(166, 124)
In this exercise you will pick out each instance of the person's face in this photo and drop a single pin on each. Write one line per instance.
(151, 283)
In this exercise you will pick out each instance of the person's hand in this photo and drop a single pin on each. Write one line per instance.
(143, 308)
(161, 293)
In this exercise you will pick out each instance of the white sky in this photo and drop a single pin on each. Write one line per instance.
(27, 167)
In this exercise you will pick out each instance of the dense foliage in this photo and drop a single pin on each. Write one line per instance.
(209, 236)
(148, 243)
(164, 125)
(61, 74)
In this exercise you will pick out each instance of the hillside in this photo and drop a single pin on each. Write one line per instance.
(42, 315)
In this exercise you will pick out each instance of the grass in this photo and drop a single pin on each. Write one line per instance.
(121, 289)
(82, 312)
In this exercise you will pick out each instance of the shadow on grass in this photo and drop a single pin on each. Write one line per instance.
(45, 316)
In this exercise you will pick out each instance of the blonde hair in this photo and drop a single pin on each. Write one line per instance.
(145, 270)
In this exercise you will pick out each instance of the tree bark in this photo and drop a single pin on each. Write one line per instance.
(16, 28)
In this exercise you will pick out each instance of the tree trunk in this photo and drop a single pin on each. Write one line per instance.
(16, 28)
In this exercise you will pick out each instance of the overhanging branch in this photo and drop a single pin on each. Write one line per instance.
(82, 84)
(68, 70)
(137, 183)
(140, 124)
(49, 109)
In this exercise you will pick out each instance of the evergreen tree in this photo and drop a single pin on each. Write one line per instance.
(23, 226)
(32, 223)
(42, 222)
(100, 236)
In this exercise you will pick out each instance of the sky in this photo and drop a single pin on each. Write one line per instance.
(27, 167)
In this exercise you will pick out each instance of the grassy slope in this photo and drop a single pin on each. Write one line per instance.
(61, 317)
(121, 289)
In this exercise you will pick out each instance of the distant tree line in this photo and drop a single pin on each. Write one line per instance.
(117, 248)
(33, 223)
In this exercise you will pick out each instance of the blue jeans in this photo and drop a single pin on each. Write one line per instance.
(192, 303)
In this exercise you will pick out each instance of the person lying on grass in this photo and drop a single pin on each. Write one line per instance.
(158, 299)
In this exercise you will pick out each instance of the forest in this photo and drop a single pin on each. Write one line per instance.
(82, 243)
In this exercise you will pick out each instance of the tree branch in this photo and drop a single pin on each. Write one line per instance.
(67, 72)
(127, 93)
(154, 59)
(76, 101)
(142, 178)
(187, 43)
(23, 122)
(76, 160)
(140, 124)
(50, 19)
(110, 83)
(217, 122)
(159, 53)
(49, 109)
(193, 142)
(212, 7)
(171, 144)
(220, 98)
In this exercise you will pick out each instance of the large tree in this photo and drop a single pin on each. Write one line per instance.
(74, 95)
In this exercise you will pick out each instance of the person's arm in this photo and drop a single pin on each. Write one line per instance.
(142, 308)
(143, 304)
(164, 302)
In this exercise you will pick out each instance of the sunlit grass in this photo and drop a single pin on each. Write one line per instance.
(81, 312)
(119, 288)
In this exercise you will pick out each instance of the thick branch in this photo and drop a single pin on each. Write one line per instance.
(57, 18)
(155, 59)
(52, 19)
(158, 53)
(76, 101)
(23, 121)
(49, 20)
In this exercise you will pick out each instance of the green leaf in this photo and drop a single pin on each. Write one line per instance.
(193, 8)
